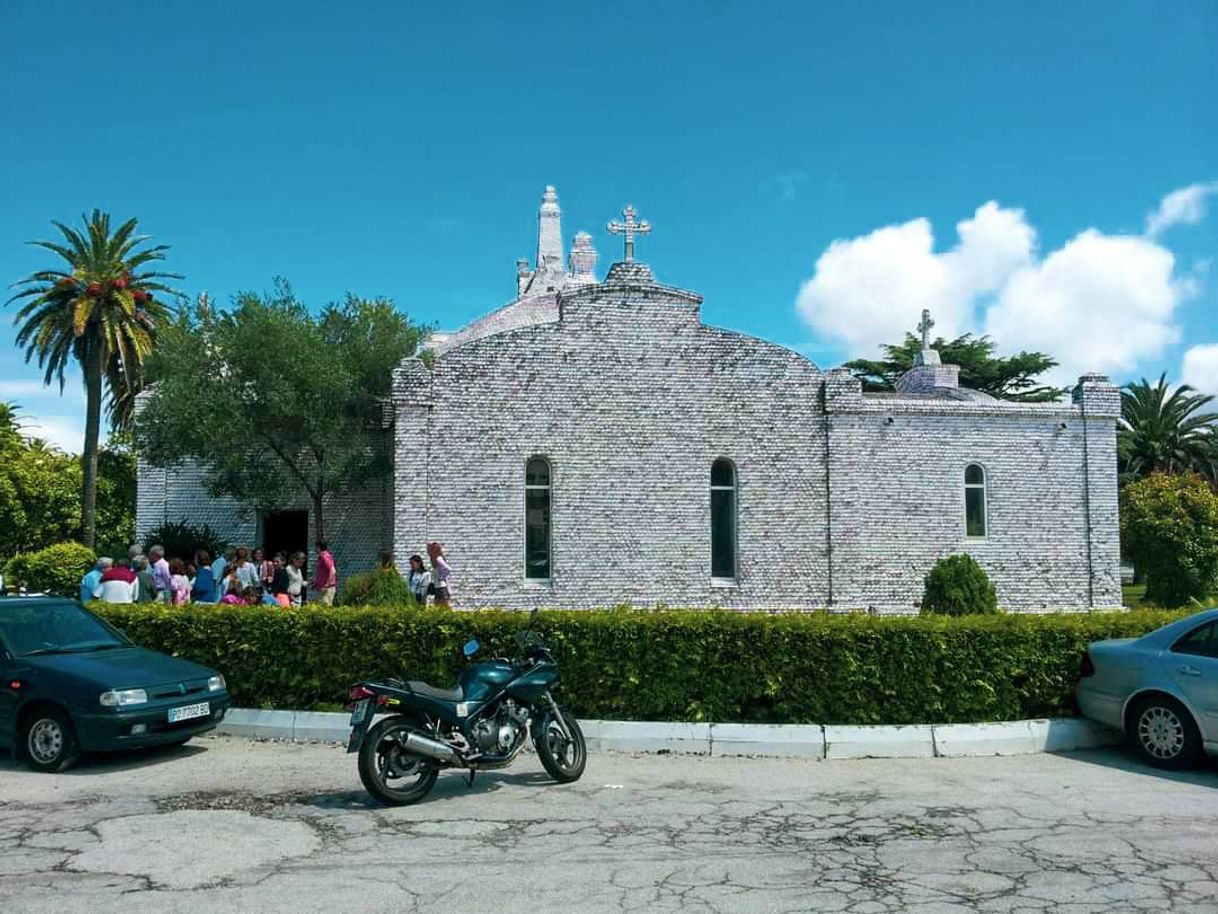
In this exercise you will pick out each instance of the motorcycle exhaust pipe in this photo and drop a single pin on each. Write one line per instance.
(425, 745)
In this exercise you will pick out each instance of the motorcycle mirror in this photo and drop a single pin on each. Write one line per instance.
(471, 647)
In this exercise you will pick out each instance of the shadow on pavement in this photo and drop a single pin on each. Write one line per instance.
(450, 786)
(1126, 758)
(91, 764)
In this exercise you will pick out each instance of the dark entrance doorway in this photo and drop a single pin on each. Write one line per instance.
(286, 532)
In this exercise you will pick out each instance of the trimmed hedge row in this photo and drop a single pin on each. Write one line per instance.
(671, 665)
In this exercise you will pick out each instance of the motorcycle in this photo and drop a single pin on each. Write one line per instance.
(479, 724)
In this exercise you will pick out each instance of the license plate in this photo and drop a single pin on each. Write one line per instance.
(361, 711)
(189, 712)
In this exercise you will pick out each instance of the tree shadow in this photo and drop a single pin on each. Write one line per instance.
(1126, 758)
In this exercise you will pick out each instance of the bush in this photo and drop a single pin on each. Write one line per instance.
(958, 586)
(1169, 526)
(383, 587)
(182, 540)
(677, 665)
(55, 569)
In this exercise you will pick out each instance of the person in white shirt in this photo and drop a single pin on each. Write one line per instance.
(117, 590)
(420, 580)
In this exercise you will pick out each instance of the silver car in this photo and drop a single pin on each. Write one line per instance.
(1160, 689)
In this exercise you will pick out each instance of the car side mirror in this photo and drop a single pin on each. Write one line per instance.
(471, 647)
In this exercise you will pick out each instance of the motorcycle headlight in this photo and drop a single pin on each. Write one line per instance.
(121, 698)
(216, 683)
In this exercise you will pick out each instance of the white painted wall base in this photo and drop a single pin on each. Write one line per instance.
(808, 741)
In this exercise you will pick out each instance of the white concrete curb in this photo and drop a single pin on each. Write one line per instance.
(810, 741)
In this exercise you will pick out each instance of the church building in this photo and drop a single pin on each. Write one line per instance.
(593, 443)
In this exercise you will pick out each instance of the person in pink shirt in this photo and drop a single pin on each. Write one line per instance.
(325, 576)
(179, 584)
(441, 575)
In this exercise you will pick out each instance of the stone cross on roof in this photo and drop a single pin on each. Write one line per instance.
(924, 328)
(927, 356)
(629, 227)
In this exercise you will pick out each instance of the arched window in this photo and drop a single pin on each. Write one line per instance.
(723, 520)
(976, 522)
(537, 519)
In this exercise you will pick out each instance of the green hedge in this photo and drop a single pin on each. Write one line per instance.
(673, 665)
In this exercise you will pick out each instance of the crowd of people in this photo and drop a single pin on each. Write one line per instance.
(245, 576)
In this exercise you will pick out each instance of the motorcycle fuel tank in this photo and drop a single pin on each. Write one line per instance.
(480, 680)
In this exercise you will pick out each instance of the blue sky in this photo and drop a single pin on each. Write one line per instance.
(805, 166)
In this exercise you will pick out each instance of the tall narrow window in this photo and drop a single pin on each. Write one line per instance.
(537, 519)
(723, 520)
(975, 520)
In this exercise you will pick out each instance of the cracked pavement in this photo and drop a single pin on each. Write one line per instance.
(225, 824)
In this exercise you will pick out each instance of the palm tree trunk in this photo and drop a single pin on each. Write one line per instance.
(93, 404)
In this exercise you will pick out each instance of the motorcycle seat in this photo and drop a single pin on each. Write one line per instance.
(426, 691)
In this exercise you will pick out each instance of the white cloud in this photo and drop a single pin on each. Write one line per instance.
(24, 390)
(1098, 303)
(65, 432)
(870, 290)
(1186, 206)
(1200, 368)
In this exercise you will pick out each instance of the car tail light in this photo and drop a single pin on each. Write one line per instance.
(1088, 665)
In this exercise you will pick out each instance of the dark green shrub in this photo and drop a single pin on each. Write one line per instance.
(383, 587)
(182, 540)
(958, 586)
(1169, 528)
(676, 665)
(55, 569)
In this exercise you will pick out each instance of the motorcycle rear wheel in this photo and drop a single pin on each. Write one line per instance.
(392, 775)
(563, 759)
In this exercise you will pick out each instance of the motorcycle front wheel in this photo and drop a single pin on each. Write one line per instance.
(391, 774)
(564, 759)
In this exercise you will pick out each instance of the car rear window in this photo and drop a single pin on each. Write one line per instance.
(1199, 642)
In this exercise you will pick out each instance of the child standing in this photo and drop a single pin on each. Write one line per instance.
(179, 584)
(420, 579)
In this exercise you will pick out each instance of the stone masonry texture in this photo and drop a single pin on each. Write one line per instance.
(844, 500)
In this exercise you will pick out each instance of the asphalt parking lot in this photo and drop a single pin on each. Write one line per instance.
(226, 824)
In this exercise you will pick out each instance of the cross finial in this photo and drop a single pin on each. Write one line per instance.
(629, 227)
(924, 328)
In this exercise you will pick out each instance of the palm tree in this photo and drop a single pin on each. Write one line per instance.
(1164, 430)
(102, 312)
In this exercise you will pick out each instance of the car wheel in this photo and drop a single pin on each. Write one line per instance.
(48, 740)
(1165, 733)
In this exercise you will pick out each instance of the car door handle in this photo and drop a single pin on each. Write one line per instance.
(1189, 671)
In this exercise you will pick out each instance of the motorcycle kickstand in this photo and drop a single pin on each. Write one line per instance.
(470, 782)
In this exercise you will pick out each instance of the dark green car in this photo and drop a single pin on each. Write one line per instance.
(70, 682)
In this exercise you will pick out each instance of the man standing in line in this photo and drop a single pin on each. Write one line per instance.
(325, 576)
(220, 567)
(89, 583)
(160, 573)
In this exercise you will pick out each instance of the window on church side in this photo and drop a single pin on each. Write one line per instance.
(975, 518)
(537, 519)
(723, 520)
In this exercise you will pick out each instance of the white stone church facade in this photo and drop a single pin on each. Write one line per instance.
(594, 443)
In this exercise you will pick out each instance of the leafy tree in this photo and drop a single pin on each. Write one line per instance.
(56, 569)
(1013, 378)
(40, 493)
(958, 586)
(273, 401)
(1169, 528)
(1165, 431)
(99, 310)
